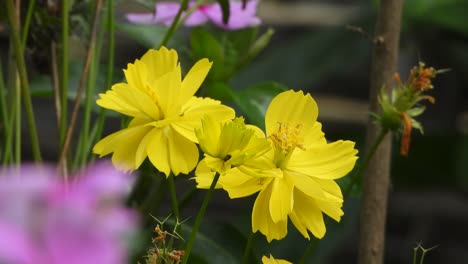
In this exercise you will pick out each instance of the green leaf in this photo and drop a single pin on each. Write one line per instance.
(225, 9)
(219, 91)
(204, 45)
(449, 14)
(146, 35)
(254, 100)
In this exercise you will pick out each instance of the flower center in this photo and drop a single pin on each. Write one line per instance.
(285, 139)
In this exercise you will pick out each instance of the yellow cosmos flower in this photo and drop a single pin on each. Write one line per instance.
(165, 114)
(226, 145)
(272, 260)
(296, 179)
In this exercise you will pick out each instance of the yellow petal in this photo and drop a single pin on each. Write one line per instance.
(136, 75)
(204, 176)
(183, 153)
(159, 62)
(167, 88)
(291, 108)
(281, 200)
(331, 208)
(194, 79)
(169, 151)
(141, 152)
(261, 220)
(314, 136)
(239, 184)
(194, 110)
(307, 184)
(158, 152)
(208, 135)
(331, 161)
(306, 215)
(272, 260)
(124, 144)
(129, 101)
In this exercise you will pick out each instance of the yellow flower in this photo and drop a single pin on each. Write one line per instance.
(272, 260)
(226, 145)
(296, 179)
(164, 111)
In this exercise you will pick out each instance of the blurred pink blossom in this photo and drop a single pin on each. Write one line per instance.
(44, 221)
(165, 13)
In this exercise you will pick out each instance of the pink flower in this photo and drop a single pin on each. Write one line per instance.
(44, 221)
(166, 11)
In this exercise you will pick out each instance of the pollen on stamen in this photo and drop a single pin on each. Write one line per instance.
(286, 138)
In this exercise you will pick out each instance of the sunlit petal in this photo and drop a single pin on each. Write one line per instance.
(291, 108)
(307, 216)
(261, 220)
(331, 161)
(281, 200)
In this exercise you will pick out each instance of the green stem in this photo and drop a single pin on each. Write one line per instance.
(310, 248)
(17, 103)
(3, 108)
(354, 178)
(199, 218)
(110, 69)
(64, 74)
(83, 81)
(248, 247)
(174, 24)
(27, 23)
(175, 205)
(25, 92)
(360, 168)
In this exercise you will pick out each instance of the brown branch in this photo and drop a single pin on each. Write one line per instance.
(376, 181)
(84, 77)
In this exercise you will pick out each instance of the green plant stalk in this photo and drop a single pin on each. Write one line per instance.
(174, 24)
(83, 80)
(360, 167)
(110, 70)
(90, 90)
(354, 177)
(3, 109)
(199, 218)
(25, 92)
(27, 23)
(248, 248)
(64, 76)
(172, 189)
(415, 254)
(17, 157)
(8, 153)
(175, 204)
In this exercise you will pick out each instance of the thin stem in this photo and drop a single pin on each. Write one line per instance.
(55, 81)
(415, 254)
(27, 23)
(17, 104)
(3, 109)
(248, 248)
(310, 248)
(25, 92)
(175, 205)
(360, 167)
(110, 70)
(64, 75)
(83, 79)
(199, 218)
(174, 24)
